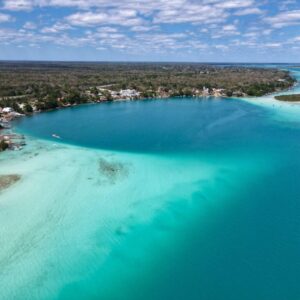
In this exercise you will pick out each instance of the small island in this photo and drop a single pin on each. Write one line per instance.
(289, 98)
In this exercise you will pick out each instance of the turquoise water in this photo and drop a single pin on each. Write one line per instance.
(165, 126)
(171, 199)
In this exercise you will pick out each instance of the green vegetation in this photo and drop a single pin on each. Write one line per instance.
(38, 86)
(290, 98)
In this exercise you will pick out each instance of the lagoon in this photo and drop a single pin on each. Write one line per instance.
(160, 199)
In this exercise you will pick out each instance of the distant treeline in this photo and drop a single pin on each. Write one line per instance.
(291, 98)
(43, 85)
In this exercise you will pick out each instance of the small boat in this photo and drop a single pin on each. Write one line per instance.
(56, 136)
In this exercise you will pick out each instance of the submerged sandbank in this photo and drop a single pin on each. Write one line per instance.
(82, 215)
(8, 180)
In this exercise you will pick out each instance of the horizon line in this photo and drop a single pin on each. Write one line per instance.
(141, 61)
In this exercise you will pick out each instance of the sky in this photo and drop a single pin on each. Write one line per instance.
(150, 30)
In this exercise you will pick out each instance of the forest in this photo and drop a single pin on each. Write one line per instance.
(37, 86)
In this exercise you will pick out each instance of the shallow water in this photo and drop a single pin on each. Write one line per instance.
(174, 199)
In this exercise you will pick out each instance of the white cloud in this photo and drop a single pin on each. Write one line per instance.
(235, 4)
(159, 11)
(29, 25)
(222, 47)
(284, 5)
(191, 13)
(108, 29)
(5, 18)
(224, 31)
(267, 31)
(124, 18)
(294, 40)
(139, 25)
(58, 27)
(248, 43)
(18, 4)
(288, 18)
(144, 28)
(249, 11)
(273, 45)
(229, 27)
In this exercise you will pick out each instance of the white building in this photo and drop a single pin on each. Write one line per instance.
(205, 91)
(129, 93)
(7, 110)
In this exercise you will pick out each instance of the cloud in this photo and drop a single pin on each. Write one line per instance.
(222, 47)
(195, 14)
(18, 4)
(114, 17)
(5, 18)
(235, 4)
(160, 26)
(156, 11)
(249, 11)
(144, 28)
(225, 31)
(288, 18)
(134, 13)
(229, 28)
(29, 25)
(294, 40)
(248, 43)
(108, 29)
(284, 5)
(58, 27)
(273, 45)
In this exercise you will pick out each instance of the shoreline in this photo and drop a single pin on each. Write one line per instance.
(6, 142)
(282, 111)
